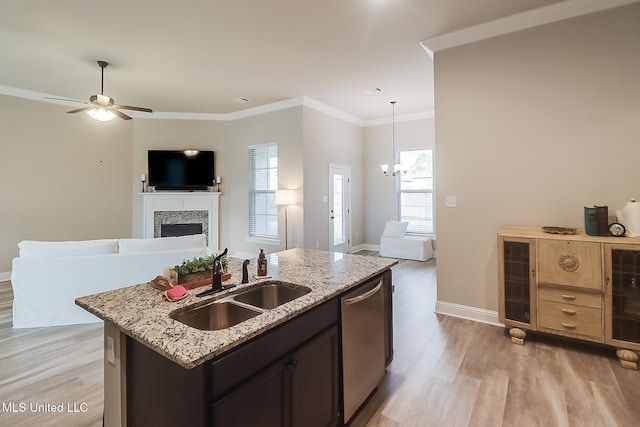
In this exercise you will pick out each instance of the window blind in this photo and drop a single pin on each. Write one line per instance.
(263, 211)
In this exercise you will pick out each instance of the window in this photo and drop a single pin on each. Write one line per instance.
(263, 211)
(415, 191)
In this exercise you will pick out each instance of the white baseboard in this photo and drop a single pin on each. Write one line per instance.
(470, 313)
(5, 277)
(365, 247)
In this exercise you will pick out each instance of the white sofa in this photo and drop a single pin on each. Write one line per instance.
(47, 277)
(394, 243)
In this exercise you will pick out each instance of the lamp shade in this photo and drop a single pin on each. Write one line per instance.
(101, 114)
(285, 197)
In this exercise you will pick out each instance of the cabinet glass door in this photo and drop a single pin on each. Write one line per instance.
(517, 290)
(625, 295)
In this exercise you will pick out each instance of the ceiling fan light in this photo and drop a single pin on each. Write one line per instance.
(101, 114)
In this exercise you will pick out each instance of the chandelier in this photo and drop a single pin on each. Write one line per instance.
(398, 169)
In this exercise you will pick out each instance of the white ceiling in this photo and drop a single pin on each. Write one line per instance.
(196, 56)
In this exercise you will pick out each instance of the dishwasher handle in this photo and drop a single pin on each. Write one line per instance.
(364, 296)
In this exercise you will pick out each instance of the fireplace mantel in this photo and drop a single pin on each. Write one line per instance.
(182, 201)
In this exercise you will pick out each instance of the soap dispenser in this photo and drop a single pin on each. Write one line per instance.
(262, 264)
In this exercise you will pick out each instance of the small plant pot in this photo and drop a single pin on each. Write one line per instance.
(195, 280)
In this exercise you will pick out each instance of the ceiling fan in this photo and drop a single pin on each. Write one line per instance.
(102, 107)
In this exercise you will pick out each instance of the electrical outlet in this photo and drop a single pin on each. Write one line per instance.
(451, 202)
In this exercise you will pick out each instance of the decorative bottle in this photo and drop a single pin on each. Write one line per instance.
(262, 263)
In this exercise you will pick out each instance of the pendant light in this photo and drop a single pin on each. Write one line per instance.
(397, 167)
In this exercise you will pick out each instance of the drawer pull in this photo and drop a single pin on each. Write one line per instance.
(569, 325)
(569, 297)
(567, 311)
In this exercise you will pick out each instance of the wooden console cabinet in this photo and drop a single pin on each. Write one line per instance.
(578, 286)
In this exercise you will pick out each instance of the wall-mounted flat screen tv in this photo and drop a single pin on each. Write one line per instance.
(181, 170)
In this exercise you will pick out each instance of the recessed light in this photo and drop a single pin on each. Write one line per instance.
(374, 90)
(241, 100)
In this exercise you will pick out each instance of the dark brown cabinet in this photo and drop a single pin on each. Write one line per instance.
(314, 389)
(298, 390)
(259, 401)
(289, 376)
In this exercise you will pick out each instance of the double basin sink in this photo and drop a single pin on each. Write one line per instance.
(234, 309)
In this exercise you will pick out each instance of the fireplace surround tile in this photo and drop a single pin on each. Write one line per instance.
(182, 208)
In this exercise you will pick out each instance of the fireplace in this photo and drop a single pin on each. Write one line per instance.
(181, 213)
(172, 230)
(184, 221)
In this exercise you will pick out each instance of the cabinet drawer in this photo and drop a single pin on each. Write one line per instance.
(572, 297)
(236, 366)
(571, 263)
(571, 319)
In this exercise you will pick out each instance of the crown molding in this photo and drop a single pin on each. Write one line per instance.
(267, 108)
(166, 115)
(400, 119)
(324, 108)
(521, 21)
(31, 94)
(250, 112)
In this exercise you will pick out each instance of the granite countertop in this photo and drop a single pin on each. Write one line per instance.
(142, 313)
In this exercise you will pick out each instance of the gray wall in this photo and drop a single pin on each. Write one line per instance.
(381, 200)
(330, 140)
(285, 128)
(531, 127)
(52, 184)
(154, 134)
(54, 188)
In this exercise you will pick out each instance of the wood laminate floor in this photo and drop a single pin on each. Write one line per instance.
(446, 372)
(454, 372)
(43, 370)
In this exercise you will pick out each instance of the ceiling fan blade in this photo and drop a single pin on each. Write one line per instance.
(120, 114)
(103, 102)
(129, 107)
(65, 99)
(79, 110)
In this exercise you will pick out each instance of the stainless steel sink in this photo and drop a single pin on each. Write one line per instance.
(271, 294)
(235, 309)
(214, 316)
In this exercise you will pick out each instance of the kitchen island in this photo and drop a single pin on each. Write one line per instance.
(147, 350)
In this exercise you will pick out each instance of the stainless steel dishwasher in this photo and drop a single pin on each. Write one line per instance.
(362, 344)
